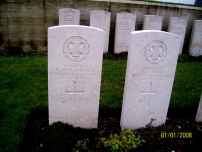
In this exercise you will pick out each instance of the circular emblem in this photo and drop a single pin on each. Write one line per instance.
(155, 52)
(76, 48)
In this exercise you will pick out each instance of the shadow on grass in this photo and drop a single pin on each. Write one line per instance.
(182, 112)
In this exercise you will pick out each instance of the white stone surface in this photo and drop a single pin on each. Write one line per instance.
(125, 23)
(199, 112)
(177, 25)
(195, 46)
(152, 60)
(69, 16)
(74, 74)
(152, 22)
(101, 19)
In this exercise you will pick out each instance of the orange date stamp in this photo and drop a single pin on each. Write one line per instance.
(176, 135)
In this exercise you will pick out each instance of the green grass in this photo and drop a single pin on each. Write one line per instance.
(24, 89)
(187, 86)
(112, 85)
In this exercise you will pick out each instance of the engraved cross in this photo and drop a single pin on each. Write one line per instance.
(74, 92)
(149, 93)
(125, 30)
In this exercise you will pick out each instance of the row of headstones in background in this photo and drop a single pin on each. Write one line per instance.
(99, 19)
(177, 25)
(195, 47)
(74, 76)
(125, 23)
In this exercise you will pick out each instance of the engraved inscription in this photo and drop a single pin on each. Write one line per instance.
(152, 74)
(155, 52)
(76, 48)
(149, 93)
(100, 22)
(74, 92)
(125, 18)
(178, 22)
(69, 16)
(153, 19)
(75, 72)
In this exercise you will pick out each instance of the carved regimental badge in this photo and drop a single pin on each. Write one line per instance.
(76, 48)
(155, 52)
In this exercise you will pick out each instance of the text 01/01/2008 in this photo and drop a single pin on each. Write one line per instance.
(176, 135)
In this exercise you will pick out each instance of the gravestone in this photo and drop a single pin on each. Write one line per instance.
(195, 47)
(152, 60)
(69, 16)
(74, 74)
(199, 112)
(177, 25)
(152, 22)
(101, 19)
(125, 23)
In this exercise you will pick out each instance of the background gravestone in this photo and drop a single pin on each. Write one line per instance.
(199, 111)
(69, 16)
(195, 47)
(125, 23)
(74, 74)
(177, 25)
(152, 22)
(101, 19)
(152, 60)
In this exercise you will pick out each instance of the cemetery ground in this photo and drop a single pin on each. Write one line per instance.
(24, 108)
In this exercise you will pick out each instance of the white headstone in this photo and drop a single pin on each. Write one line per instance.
(177, 25)
(152, 60)
(152, 22)
(101, 19)
(199, 111)
(74, 74)
(195, 47)
(125, 23)
(69, 16)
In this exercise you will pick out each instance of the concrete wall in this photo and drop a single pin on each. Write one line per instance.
(26, 21)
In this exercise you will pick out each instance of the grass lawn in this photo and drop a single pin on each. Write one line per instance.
(24, 89)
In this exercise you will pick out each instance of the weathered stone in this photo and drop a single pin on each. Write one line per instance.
(125, 23)
(74, 74)
(152, 60)
(199, 111)
(69, 16)
(101, 19)
(152, 22)
(177, 25)
(195, 47)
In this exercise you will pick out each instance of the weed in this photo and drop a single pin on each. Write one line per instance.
(27, 48)
(81, 146)
(41, 50)
(183, 58)
(124, 142)
(3, 46)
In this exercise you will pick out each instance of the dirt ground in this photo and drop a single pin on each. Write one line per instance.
(39, 137)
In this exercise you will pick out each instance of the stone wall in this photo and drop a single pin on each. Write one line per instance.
(26, 21)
